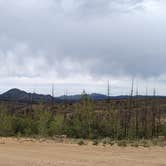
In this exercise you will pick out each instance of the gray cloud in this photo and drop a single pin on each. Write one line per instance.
(107, 7)
(98, 37)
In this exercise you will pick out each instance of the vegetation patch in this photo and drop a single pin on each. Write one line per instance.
(95, 142)
(81, 142)
(122, 143)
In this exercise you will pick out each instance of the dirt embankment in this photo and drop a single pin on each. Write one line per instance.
(28, 152)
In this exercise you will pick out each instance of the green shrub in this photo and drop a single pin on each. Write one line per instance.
(6, 128)
(135, 144)
(155, 142)
(106, 140)
(55, 127)
(145, 143)
(162, 143)
(95, 142)
(104, 143)
(81, 142)
(122, 143)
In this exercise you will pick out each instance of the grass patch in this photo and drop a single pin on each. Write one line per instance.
(122, 143)
(135, 144)
(81, 142)
(145, 143)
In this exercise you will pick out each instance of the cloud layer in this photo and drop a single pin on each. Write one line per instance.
(73, 38)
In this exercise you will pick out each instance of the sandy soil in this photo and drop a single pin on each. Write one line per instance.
(27, 152)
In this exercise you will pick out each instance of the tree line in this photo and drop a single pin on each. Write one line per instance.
(84, 121)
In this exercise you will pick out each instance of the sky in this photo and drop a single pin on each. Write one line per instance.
(81, 44)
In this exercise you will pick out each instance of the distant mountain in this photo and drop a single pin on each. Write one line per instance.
(22, 96)
(96, 96)
(77, 97)
(71, 97)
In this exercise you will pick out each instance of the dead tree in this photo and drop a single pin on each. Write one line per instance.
(52, 99)
(158, 118)
(30, 104)
(154, 114)
(145, 114)
(137, 115)
(108, 96)
(128, 112)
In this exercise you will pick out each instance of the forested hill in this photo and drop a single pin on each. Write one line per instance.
(23, 96)
(20, 95)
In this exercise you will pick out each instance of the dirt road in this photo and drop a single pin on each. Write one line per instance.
(32, 153)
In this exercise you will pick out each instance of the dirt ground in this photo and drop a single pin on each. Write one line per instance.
(27, 152)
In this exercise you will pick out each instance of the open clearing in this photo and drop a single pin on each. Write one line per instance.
(27, 152)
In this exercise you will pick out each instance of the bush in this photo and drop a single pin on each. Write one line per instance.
(135, 144)
(55, 127)
(111, 143)
(106, 140)
(162, 143)
(104, 143)
(6, 128)
(122, 143)
(145, 143)
(155, 142)
(81, 142)
(95, 142)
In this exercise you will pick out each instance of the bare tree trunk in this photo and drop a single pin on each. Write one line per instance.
(136, 115)
(52, 102)
(158, 119)
(130, 108)
(154, 114)
(108, 96)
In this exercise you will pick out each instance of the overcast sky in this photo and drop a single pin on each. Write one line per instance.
(80, 44)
